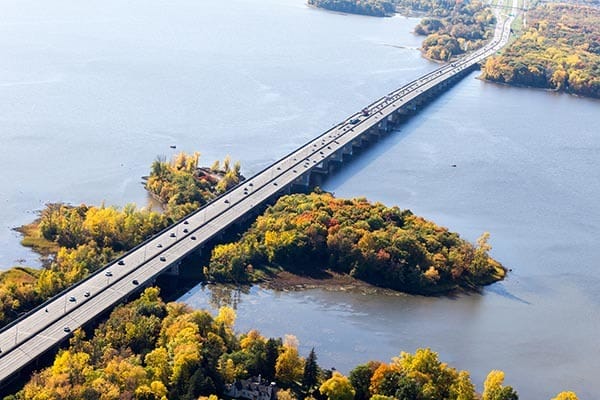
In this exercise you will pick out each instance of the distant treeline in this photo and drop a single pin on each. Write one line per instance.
(375, 8)
(452, 27)
(385, 246)
(560, 50)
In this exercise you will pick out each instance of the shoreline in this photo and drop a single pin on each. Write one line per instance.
(285, 281)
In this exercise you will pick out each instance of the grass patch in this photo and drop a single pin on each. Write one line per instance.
(33, 239)
(19, 276)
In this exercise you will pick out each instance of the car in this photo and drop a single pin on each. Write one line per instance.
(86, 294)
(108, 273)
(185, 230)
(121, 262)
(163, 259)
(354, 121)
(185, 222)
(226, 201)
(67, 329)
(72, 299)
(135, 282)
(159, 246)
(172, 234)
(193, 238)
(251, 184)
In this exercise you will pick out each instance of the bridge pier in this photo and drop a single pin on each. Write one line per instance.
(173, 270)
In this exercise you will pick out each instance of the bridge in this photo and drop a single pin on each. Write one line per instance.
(40, 331)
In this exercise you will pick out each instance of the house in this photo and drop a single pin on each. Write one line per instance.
(254, 388)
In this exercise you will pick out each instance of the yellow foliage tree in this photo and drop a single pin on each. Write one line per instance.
(338, 387)
(289, 367)
(566, 396)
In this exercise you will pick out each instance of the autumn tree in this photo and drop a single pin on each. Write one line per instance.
(338, 387)
(565, 396)
(360, 378)
(493, 388)
(290, 366)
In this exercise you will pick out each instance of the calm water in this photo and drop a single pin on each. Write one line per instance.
(91, 92)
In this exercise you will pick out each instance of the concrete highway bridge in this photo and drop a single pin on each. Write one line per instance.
(40, 331)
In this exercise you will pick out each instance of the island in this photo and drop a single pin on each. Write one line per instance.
(314, 234)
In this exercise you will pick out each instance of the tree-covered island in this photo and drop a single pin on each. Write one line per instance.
(384, 246)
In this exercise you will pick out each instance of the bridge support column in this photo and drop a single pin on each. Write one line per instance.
(173, 270)
(383, 125)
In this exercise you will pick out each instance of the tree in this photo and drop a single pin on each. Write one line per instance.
(311, 372)
(566, 396)
(338, 387)
(424, 367)
(494, 390)
(463, 388)
(271, 356)
(360, 378)
(285, 394)
(290, 366)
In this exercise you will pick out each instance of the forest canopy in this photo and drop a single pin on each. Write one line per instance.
(148, 349)
(559, 50)
(384, 246)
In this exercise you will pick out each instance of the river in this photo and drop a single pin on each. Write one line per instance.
(92, 92)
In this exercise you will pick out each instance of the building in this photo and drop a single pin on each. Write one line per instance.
(253, 388)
